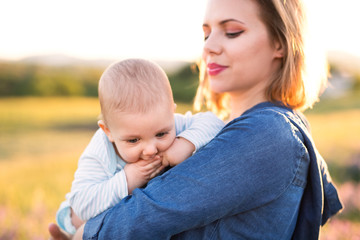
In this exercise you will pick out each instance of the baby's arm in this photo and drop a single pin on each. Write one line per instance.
(98, 183)
(193, 132)
(95, 188)
(75, 220)
(180, 150)
(137, 175)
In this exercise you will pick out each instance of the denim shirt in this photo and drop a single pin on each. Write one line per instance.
(259, 178)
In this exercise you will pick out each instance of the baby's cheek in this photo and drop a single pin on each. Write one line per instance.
(128, 156)
(165, 146)
(131, 158)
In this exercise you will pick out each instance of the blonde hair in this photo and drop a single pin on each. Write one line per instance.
(133, 85)
(292, 84)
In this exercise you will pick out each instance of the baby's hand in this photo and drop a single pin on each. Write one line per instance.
(142, 171)
(180, 150)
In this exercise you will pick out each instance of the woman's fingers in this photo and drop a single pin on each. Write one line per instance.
(56, 233)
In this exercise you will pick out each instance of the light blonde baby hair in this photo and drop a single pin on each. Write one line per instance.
(292, 84)
(133, 86)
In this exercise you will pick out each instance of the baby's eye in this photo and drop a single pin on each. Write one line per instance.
(234, 34)
(161, 134)
(135, 140)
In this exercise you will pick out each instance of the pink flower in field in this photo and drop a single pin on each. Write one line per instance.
(338, 229)
(350, 195)
(2, 214)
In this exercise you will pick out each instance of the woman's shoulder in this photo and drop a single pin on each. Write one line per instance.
(273, 122)
(274, 115)
(267, 137)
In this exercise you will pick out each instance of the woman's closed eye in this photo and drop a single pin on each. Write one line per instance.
(206, 31)
(234, 34)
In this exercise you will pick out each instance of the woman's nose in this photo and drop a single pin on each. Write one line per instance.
(212, 45)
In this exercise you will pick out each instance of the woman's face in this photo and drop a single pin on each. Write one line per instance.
(238, 52)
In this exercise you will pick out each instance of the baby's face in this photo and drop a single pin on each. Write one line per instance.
(143, 135)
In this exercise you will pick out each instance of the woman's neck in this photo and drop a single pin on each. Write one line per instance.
(240, 103)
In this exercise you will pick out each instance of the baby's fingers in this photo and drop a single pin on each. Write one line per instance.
(157, 171)
(153, 165)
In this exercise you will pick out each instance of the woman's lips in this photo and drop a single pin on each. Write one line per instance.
(214, 69)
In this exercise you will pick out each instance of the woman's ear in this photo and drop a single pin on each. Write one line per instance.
(279, 50)
(106, 130)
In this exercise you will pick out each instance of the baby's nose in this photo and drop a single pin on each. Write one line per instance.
(150, 150)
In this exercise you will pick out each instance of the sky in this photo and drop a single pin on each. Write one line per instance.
(155, 29)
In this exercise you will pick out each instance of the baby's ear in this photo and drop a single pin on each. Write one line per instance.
(106, 130)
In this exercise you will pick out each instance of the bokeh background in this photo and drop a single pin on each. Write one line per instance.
(52, 54)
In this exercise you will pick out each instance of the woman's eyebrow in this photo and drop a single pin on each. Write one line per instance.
(231, 20)
(226, 21)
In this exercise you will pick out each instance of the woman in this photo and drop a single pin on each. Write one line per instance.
(261, 177)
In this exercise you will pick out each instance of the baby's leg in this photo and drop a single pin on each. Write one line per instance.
(75, 220)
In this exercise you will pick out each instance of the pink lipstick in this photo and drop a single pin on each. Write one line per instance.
(214, 69)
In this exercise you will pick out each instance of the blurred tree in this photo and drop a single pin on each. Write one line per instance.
(184, 83)
(357, 83)
(34, 80)
(17, 79)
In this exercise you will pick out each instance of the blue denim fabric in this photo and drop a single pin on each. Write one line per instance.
(247, 183)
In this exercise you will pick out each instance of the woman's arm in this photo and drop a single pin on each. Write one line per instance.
(235, 172)
(193, 132)
(198, 128)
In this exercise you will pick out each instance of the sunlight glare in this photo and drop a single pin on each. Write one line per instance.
(154, 29)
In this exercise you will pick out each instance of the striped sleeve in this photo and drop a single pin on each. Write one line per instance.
(96, 186)
(198, 128)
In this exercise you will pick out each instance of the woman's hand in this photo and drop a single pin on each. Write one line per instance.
(56, 233)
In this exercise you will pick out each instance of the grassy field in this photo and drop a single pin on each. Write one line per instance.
(42, 138)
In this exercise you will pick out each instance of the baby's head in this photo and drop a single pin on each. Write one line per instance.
(137, 108)
(133, 85)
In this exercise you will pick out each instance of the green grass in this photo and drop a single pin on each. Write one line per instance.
(336, 132)
(349, 101)
(41, 140)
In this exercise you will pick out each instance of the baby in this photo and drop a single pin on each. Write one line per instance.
(139, 136)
